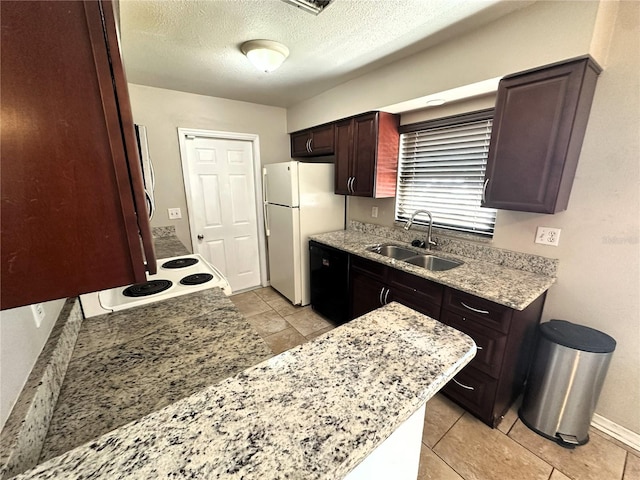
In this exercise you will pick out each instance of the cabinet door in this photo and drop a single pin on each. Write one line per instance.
(344, 156)
(300, 144)
(537, 134)
(363, 166)
(69, 179)
(367, 293)
(411, 301)
(322, 140)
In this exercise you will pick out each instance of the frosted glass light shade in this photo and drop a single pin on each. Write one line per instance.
(265, 55)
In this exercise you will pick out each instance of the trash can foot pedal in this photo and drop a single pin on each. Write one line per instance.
(569, 441)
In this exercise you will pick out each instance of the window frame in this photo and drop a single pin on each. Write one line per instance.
(453, 120)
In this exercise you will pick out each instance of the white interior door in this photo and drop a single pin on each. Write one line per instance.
(220, 184)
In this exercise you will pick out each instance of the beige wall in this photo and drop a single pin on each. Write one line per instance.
(537, 35)
(20, 345)
(164, 111)
(599, 276)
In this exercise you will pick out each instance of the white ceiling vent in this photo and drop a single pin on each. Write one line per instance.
(310, 6)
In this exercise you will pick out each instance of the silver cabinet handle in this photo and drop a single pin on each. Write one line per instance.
(307, 145)
(484, 190)
(380, 296)
(353, 185)
(473, 309)
(478, 347)
(386, 297)
(311, 145)
(200, 237)
(466, 387)
(350, 184)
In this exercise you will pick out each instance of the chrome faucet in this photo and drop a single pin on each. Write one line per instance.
(428, 243)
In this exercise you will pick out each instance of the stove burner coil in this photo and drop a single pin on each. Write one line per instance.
(196, 279)
(180, 263)
(147, 288)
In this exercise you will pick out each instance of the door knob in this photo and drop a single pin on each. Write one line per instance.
(200, 237)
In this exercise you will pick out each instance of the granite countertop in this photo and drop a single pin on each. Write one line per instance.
(146, 358)
(507, 286)
(315, 411)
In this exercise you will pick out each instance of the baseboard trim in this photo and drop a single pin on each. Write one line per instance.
(616, 431)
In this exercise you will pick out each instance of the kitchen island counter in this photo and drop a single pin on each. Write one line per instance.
(511, 287)
(315, 411)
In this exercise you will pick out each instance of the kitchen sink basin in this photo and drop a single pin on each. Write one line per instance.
(433, 263)
(392, 251)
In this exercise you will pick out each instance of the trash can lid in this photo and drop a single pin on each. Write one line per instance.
(578, 337)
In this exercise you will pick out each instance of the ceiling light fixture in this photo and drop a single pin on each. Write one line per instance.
(265, 55)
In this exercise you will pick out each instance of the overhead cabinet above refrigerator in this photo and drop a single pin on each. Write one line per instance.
(299, 201)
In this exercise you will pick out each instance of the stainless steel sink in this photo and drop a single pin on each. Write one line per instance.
(433, 263)
(392, 251)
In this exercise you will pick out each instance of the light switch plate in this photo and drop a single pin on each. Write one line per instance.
(174, 213)
(548, 236)
(374, 212)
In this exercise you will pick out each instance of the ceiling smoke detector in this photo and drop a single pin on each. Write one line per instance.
(310, 6)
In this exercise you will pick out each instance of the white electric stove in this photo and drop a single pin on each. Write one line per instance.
(176, 276)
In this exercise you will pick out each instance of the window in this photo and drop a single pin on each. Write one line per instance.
(441, 169)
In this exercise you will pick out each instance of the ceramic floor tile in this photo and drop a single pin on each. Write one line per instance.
(306, 321)
(249, 304)
(478, 452)
(268, 323)
(597, 460)
(510, 418)
(319, 332)
(433, 467)
(632, 467)
(268, 294)
(558, 475)
(284, 340)
(283, 306)
(441, 414)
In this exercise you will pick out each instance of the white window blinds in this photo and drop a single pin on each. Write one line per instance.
(441, 169)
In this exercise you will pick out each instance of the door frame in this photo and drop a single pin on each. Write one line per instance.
(257, 174)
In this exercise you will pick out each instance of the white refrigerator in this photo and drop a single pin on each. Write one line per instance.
(299, 201)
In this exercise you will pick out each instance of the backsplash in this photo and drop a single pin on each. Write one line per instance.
(506, 258)
(167, 231)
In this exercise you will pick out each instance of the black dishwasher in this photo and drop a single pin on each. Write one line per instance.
(329, 281)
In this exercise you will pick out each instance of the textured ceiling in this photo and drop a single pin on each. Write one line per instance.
(193, 45)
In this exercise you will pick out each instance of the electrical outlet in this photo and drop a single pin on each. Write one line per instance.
(374, 212)
(38, 313)
(174, 213)
(548, 236)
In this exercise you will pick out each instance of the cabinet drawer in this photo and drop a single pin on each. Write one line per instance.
(483, 312)
(424, 290)
(474, 391)
(427, 308)
(491, 344)
(369, 267)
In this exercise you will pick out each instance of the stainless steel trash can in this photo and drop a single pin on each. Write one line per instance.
(565, 381)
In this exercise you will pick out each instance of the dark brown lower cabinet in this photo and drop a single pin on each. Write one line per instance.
(505, 337)
(374, 285)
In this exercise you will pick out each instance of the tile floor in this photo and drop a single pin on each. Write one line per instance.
(455, 445)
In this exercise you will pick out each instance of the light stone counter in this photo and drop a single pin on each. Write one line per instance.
(313, 412)
(497, 283)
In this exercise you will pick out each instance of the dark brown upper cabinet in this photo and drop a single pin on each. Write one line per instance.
(73, 212)
(313, 142)
(539, 124)
(367, 155)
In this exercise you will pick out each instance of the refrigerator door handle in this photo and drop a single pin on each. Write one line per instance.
(265, 196)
